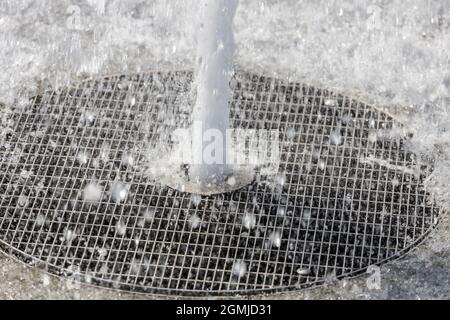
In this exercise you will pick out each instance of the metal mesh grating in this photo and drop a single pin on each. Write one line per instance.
(344, 206)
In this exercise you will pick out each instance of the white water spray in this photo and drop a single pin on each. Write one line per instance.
(215, 54)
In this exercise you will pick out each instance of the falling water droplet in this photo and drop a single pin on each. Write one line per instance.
(255, 200)
(131, 101)
(104, 269)
(121, 227)
(239, 268)
(127, 159)
(249, 221)
(69, 235)
(231, 181)
(104, 151)
(119, 192)
(22, 201)
(336, 137)
(322, 165)
(280, 179)
(87, 119)
(395, 182)
(219, 202)
(196, 199)
(40, 220)
(373, 136)
(281, 211)
(220, 46)
(290, 133)
(316, 154)
(306, 215)
(102, 253)
(149, 215)
(45, 280)
(135, 266)
(303, 271)
(82, 157)
(275, 239)
(194, 221)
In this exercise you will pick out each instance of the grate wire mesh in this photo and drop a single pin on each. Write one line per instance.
(344, 206)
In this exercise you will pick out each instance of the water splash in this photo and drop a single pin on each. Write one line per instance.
(215, 54)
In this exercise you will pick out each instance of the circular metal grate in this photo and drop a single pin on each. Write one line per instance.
(76, 200)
